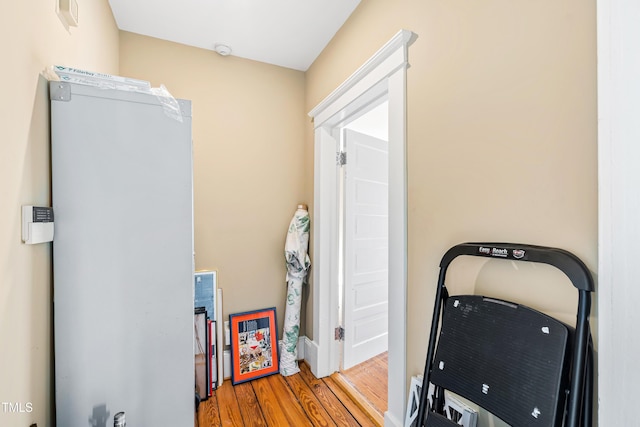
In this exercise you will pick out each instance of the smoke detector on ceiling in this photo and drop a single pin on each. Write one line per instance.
(222, 49)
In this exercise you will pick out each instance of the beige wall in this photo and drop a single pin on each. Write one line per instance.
(32, 39)
(248, 132)
(501, 133)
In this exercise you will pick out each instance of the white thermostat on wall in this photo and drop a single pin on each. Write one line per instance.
(37, 224)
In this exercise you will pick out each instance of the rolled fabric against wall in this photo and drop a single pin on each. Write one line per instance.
(298, 264)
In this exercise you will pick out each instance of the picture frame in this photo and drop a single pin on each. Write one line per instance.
(200, 352)
(254, 345)
(205, 289)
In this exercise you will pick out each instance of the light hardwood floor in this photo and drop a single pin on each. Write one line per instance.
(367, 385)
(296, 400)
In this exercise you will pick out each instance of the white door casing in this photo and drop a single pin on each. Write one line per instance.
(618, 210)
(383, 74)
(366, 245)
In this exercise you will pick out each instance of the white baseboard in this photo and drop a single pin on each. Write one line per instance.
(302, 351)
(311, 355)
(227, 364)
(391, 421)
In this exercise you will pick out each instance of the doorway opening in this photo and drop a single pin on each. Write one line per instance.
(382, 76)
(363, 305)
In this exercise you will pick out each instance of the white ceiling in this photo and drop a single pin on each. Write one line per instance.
(288, 33)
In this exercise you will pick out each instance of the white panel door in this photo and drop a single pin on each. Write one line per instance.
(366, 246)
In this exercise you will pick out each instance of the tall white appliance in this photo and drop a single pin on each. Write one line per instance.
(123, 258)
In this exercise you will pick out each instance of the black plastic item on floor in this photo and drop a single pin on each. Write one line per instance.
(521, 365)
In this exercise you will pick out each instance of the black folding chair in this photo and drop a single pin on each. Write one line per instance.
(523, 366)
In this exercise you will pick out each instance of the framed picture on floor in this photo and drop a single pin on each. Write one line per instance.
(254, 345)
(201, 353)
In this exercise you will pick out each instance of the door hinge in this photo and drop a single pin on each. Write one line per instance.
(339, 333)
(341, 158)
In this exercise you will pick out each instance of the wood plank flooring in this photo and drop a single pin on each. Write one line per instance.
(275, 401)
(367, 385)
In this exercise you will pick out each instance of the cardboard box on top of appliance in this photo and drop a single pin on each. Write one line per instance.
(107, 81)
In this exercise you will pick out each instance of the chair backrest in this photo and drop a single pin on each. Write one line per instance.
(511, 360)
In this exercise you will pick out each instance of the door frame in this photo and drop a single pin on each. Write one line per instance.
(618, 209)
(384, 74)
